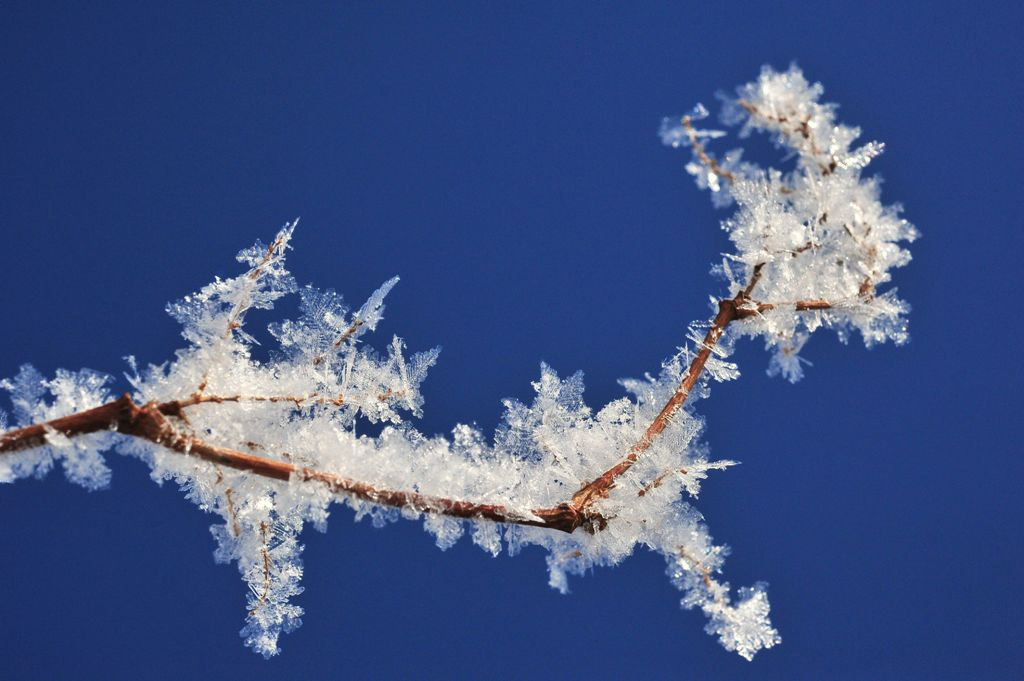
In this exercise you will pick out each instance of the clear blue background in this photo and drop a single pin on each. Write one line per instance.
(503, 159)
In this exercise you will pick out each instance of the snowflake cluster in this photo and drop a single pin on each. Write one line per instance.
(815, 234)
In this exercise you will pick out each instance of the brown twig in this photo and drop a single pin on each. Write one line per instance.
(752, 309)
(702, 154)
(176, 407)
(801, 127)
(264, 550)
(654, 484)
(599, 487)
(240, 308)
(699, 566)
(234, 319)
(729, 310)
(236, 529)
(345, 335)
(348, 332)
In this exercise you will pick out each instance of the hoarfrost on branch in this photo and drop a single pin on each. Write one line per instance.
(270, 446)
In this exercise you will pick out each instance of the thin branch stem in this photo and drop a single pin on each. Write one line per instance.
(794, 129)
(345, 335)
(728, 311)
(266, 569)
(699, 566)
(174, 407)
(751, 310)
(242, 306)
(698, 148)
(599, 487)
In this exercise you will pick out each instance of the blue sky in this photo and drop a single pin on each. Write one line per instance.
(503, 159)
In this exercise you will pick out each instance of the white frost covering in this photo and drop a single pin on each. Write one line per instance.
(817, 232)
(35, 400)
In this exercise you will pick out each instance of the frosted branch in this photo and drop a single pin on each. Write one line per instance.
(268, 446)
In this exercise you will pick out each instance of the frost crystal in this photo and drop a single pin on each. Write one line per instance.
(813, 248)
(38, 400)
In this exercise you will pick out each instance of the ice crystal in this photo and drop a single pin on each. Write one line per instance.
(35, 400)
